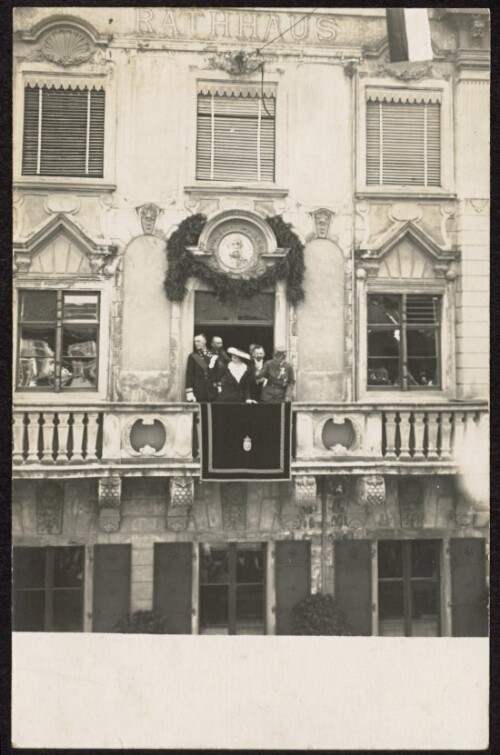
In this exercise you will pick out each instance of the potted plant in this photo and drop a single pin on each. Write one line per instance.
(142, 622)
(319, 615)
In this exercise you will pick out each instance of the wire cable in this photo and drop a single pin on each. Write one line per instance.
(259, 49)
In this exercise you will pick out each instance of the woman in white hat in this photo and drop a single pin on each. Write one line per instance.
(235, 381)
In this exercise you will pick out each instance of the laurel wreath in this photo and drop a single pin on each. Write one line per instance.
(183, 264)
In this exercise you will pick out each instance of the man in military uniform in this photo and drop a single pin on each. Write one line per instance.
(200, 372)
(278, 378)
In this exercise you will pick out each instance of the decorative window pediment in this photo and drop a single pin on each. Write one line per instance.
(62, 247)
(405, 251)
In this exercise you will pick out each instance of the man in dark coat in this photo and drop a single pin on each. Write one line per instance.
(258, 360)
(217, 347)
(278, 377)
(200, 372)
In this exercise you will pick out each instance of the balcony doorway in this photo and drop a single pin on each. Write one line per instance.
(240, 324)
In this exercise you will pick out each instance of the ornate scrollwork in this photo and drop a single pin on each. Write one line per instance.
(238, 63)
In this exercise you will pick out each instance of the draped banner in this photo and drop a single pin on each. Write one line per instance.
(245, 441)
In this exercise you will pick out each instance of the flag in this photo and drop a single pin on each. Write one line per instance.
(409, 34)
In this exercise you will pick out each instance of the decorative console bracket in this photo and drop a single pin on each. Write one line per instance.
(180, 503)
(371, 490)
(305, 491)
(110, 489)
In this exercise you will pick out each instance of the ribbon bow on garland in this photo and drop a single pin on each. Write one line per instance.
(183, 264)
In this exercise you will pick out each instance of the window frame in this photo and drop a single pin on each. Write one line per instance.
(264, 188)
(58, 324)
(97, 73)
(49, 587)
(32, 282)
(232, 585)
(403, 351)
(390, 84)
(88, 95)
(407, 580)
(213, 117)
(438, 287)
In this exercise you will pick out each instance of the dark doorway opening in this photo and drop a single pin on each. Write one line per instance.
(240, 324)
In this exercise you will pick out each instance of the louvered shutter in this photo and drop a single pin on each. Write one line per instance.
(403, 143)
(63, 132)
(235, 138)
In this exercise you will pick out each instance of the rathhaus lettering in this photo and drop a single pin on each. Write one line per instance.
(246, 26)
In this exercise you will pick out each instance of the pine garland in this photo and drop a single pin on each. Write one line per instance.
(183, 264)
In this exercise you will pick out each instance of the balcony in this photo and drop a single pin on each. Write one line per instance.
(147, 439)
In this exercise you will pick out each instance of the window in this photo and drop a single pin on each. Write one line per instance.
(403, 341)
(235, 134)
(403, 138)
(58, 340)
(48, 589)
(408, 588)
(232, 588)
(63, 132)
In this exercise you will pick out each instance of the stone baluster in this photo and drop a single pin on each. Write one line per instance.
(458, 434)
(446, 427)
(78, 429)
(390, 435)
(92, 430)
(432, 436)
(419, 432)
(404, 431)
(62, 435)
(33, 431)
(18, 438)
(47, 436)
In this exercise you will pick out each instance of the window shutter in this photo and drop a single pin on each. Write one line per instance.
(111, 593)
(403, 142)
(63, 132)
(235, 139)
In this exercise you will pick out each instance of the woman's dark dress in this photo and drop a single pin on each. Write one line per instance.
(232, 391)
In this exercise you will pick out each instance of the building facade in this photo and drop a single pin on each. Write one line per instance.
(127, 122)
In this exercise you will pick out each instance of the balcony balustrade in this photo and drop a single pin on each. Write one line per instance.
(324, 435)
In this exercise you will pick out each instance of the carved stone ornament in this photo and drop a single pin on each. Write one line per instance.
(369, 256)
(406, 71)
(49, 508)
(336, 487)
(290, 517)
(371, 490)
(234, 505)
(355, 515)
(305, 490)
(109, 492)
(149, 213)
(180, 503)
(65, 47)
(411, 503)
(322, 221)
(237, 63)
(101, 255)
